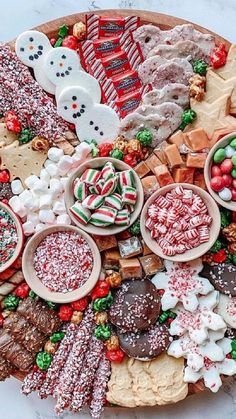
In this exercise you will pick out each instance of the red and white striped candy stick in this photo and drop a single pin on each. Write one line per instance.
(99, 388)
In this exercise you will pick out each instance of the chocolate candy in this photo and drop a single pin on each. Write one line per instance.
(136, 306)
(145, 345)
(222, 276)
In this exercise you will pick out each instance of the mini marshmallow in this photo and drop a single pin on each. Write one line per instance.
(63, 219)
(55, 154)
(47, 162)
(39, 227)
(40, 187)
(25, 196)
(16, 187)
(70, 171)
(64, 181)
(28, 228)
(32, 204)
(44, 175)
(30, 181)
(59, 207)
(17, 206)
(52, 169)
(33, 218)
(56, 188)
(83, 149)
(65, 164)
(46, 216)
(45, 201)
(77, 160)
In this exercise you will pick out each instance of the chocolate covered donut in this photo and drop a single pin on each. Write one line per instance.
(147, 344)
(136, 306)
(222, 277)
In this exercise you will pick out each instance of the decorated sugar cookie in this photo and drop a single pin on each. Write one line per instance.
(227, 309)
(31, 48)
(92, 120)
(63, 68)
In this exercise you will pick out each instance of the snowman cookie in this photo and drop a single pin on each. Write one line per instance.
(92, 121)
(63, 68)
(31, 48)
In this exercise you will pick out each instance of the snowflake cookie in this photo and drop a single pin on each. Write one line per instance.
(182, 283)
(198, 323)
(227, 309)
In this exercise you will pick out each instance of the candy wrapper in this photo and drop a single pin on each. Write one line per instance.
(106, 26)
(128, 103)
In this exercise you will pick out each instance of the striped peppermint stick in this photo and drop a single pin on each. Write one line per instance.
(100, 388)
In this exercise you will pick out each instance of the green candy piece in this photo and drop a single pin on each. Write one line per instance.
(102, 304)
(233, 260)
(233, 159)
(200, 67)
(233, 354)
(225, 218)
(172, 314)
(188, 116)
(63, 31)
(25, 136)
(103, 332)
(11, 302)
(219, 155)
(117, 154)
(43, 360)
(144, 136)
(135, 228)
(163, 317)
(58, 42)
(233, 173)
(56, 337)
(32, 294)
(216, 246)
(233, 143)
(233, 344)
(52, 305)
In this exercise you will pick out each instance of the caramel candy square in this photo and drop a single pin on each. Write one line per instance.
(152, 162)
(146, 250)
(163, 175)
(199, 180)
(105, 242)
(177, 138)
(151, 264)
(130, 268)
(130, 247)
(142, 169)
(183, 174)
(150, 185)
(173, 156)
(196, 160)
(111, 259)
(197, 139)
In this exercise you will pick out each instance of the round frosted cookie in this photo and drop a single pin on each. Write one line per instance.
(222, 277)
(227, 309)
(147, 344)
(136, 306)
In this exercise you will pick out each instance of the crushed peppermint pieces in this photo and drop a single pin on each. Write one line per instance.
(8, 236)
(63, 261)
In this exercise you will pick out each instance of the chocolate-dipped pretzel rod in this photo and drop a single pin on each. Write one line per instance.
(5, 369)
(15, 353)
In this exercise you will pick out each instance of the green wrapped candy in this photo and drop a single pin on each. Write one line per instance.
(188, 116)
(103, 332)
(225, 218)
(164, 316)
(51, 305)
(63, 31)
(11, 302)
(56, 337)
(117, 154)
(233, 143)
(32, 294)
(43, 360)
(233, 345)
(219, 155)
(144, 136)
(25, 136)
(102, 304)
(216, 246)
(172, 314)
(200, 67)
(135, 228)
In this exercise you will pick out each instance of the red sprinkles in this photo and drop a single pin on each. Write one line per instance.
(63, 261)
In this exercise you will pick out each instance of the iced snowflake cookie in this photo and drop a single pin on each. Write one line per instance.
(182, 283)
(227, 309)
(199, 322)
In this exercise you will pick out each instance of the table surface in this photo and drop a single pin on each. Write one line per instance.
(217, 15)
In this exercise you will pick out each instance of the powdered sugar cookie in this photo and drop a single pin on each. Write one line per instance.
(182, 283)
(227, 309)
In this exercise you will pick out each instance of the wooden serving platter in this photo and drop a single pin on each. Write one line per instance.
(163, 21)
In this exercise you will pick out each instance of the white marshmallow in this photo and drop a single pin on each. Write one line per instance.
(56, 187)
(83, 149)
(30, 181)
(45, 201)
(47, 162)
(59, 207)
(77, 160)
(39, 227)
(25, 196)
(46, 216)
(40, 187)
(65, 164)
(55, 154)
(44, 175)
(32, 204)
(33, 218)
(16, 187)
(64, 181)
(71, 171)
(28, 228)
(52, 169)
(63, 219)
(17, 206)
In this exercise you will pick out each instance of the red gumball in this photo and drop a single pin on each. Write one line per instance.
(217, 183)
(215, 171)
(234, 183)
(227, 179)
(226, 166)
(233, 195)
(70, 41)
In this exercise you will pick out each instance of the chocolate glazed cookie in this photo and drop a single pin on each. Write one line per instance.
(222, 277)
(136, 306)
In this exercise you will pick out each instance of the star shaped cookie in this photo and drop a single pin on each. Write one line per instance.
(228, 70)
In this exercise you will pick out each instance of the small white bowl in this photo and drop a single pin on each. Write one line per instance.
(96, 164)
(36, 284)
(192, 253)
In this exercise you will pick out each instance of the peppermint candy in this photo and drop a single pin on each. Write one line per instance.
(109, 186)
(108, 171)
(90, 176)
(103, 216)
(93, 201)
(80, 190)
(122, 217)
(129, 195)
(126, 178)
(82, 214)
(97, 188)
(114, 201)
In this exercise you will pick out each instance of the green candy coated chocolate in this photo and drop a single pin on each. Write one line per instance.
(11, 302)
(117, 154)
(43, 360)
(188, 116)
(56, 337)
(63, 31)
(32, 294)
(233, 143)
(102, 332)
(25, 136)
(135, 228)
(102, 304)
(52, 305)
(233, 354)
(144, 136)
(216, 246)
(233, 345)
(233, 173)
(200, 67)
(219, 155)
(233, 159)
